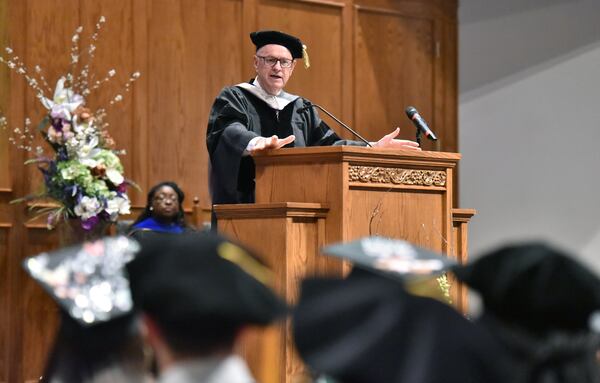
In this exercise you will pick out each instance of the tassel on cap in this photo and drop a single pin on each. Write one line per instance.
(305, 57)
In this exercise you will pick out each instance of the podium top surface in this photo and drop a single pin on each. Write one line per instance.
(344, 153)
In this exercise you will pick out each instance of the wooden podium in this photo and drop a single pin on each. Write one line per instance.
(309, 197)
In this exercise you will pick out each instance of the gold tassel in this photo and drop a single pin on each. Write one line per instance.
(305, 57)
(246, 262)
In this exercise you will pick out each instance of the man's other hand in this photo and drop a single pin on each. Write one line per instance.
(390, 141)
(273, 142)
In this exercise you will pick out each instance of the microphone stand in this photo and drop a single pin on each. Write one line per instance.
(339, 122)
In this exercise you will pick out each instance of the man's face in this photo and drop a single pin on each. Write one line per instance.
(273, 77)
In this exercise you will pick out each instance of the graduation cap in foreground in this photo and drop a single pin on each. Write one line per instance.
(292, 43)
(534, 286)
(367, 328)
(202, 279)
(394, 257)
(87, 280)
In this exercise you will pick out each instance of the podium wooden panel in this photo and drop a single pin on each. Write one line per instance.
(309, 197)
(401, 194)
(460, 236)
(288, 236)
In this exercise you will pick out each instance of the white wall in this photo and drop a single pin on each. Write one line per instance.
(529, 122)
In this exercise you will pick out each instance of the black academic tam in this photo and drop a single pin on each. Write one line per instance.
(534, 286)
(367, 328)
(202, 278)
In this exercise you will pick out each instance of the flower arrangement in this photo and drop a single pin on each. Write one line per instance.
(83, 176)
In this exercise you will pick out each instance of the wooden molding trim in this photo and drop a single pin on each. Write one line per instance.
(463, 215)
(36, 226)
(326, 3)
(371, 9)
(388, 11)
(396, 176)
(273, 210)
(446, 7)
(5, 225)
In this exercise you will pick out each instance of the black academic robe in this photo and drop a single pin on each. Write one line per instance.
(236, 117)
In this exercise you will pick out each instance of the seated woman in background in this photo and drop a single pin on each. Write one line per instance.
(163, 212)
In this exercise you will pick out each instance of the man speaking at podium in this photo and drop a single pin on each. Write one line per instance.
(260, 115)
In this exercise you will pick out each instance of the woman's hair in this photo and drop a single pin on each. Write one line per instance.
(147, 213)
(111, 351)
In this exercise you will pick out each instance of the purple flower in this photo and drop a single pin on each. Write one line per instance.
(57, 124)
(59, 111)
(52, 219)
(89, 223)
(62, 154)
(122, 188)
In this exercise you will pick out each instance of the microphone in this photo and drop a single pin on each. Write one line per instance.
(421, 125)
(305, 108)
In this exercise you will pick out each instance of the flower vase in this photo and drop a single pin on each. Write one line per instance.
(70, 232)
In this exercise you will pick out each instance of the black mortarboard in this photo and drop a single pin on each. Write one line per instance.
(394, 257)
(366, 328)
(88, 280)
(205, 279)
(292, 43)
(534, 286)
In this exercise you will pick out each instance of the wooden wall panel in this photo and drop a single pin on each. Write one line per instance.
(222, 66)
(223, 56)
(4, 301)
(170, 47)
(34, 316)
(113, 51)
(319, 26)
(39, 317)
(4, 160)
(139, 171)
(394, 69)
(446, 113)
(5, 210)
(187, 67)
(4, 102)
(40, 45)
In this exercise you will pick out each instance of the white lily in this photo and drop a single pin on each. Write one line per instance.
(114, 176)
(118, 205)
(64, 102)
(88, 207)
(77, 126)
(87, 152)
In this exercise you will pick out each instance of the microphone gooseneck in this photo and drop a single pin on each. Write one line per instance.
(336, 120)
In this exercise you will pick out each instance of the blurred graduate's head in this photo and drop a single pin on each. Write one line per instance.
(543, 307)
(534, 286)
(97, 334)
(197, 291)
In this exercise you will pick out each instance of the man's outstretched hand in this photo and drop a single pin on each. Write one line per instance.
(390, 141)
(273, 142)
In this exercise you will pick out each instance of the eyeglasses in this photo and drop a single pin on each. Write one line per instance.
(272, 61)
(162, 198)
